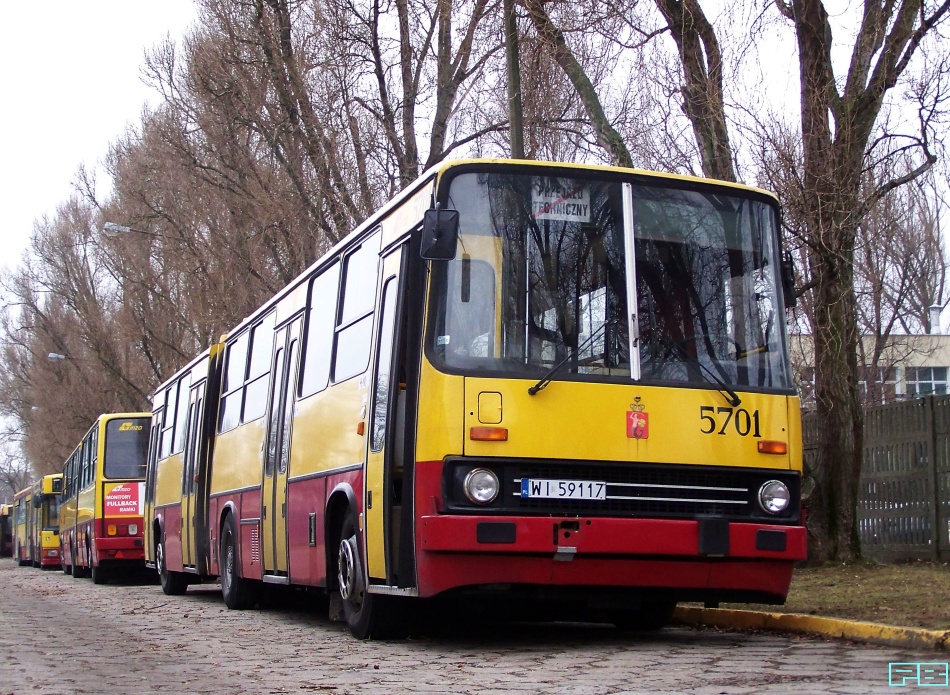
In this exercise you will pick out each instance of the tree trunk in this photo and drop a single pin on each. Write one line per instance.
(513, 70)
(702, 90)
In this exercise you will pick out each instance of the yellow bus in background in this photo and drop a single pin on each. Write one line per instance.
(553, 385)
(44, 521)
(101, 516)
(22, 531)
(6, 530)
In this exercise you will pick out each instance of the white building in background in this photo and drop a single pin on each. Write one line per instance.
(911, 366)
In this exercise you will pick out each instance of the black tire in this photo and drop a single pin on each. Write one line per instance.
(99, 574)
(651, 617)
(78, 571)
(173, 583)
(238, 593)
(367, 615)
(67, 569)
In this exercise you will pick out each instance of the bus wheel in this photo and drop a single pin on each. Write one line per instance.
(238, 592)
(99, 574)
(367, 615)
(649, 618)
(173, 583)
(78, 571)
(67, 569)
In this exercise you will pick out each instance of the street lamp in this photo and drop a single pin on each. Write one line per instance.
(113, 229)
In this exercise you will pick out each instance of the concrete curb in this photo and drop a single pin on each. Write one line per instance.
(872, 633)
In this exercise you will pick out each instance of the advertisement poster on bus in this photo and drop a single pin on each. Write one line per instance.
(123, 499)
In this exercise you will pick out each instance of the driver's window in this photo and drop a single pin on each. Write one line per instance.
(470, 314)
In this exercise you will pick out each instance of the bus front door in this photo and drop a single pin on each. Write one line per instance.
(386, 421)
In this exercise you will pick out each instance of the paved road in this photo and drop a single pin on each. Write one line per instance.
(65, 635)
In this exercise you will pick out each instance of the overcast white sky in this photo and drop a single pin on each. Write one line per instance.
(70, 84)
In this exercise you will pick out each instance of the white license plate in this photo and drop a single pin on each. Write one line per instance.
(564, 489)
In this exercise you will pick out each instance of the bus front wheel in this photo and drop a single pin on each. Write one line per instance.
(238, 593)
(173, 583)
(367, 615)
(78, 570)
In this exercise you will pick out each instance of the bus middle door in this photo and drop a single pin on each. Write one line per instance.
(277, 453)
(192, 452)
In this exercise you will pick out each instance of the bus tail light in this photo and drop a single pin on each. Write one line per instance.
(111, 530)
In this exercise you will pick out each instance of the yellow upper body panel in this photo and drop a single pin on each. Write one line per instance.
(325, 435)
(168, 482)
(597, 421)
(593, 421)
(238, 457)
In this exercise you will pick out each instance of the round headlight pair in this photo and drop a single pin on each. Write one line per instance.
(481, 486)
(774, 497)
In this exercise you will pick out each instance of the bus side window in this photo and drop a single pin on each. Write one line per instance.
(354, 331)
(318, 343)
(232, 390)
(258, 370)
(168, 421)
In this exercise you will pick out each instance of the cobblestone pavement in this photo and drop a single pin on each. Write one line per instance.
(65, 635)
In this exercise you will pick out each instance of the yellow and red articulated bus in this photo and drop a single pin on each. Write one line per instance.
(44, 521)
(523, 381)
(101, 517)
(6, 530)
(22, 526)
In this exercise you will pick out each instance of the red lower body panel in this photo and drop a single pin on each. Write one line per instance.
(604, 552)
(121, 546)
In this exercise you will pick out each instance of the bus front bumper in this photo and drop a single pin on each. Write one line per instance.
(703, 559)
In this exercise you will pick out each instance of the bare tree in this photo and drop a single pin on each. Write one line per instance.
(838, 135)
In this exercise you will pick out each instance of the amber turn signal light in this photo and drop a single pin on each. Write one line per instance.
(772, 447)
(489, 434)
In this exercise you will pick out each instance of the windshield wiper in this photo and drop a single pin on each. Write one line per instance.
(546, 379)
(731, 396)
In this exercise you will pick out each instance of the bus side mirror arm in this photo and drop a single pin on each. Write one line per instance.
(788, 282)
(440, 231)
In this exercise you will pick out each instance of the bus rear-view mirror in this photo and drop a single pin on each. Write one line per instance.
(440, 230)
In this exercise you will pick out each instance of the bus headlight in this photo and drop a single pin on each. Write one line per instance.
(481, 486)
(774, 497)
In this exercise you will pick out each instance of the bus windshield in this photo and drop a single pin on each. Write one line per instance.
(51, 513)
(542, 276)
(126, 448)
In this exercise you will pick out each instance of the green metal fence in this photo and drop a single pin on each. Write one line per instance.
(904, 495)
